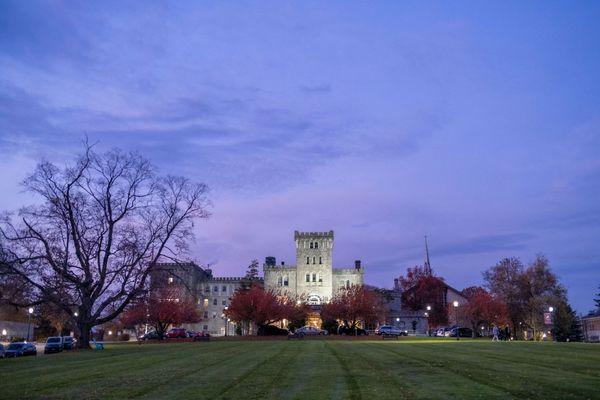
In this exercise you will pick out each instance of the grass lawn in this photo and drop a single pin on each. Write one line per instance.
(311, 369)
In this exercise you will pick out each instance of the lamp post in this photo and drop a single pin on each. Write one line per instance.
(226, 321)
(455, 304)
(29, 312)
(4, 333)
(551, 311)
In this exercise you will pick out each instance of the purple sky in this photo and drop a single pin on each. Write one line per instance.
(474, 124)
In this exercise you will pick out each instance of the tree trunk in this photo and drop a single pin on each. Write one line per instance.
(84, 336)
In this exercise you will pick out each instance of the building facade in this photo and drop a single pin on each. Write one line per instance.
(212, 294)
(313, 279)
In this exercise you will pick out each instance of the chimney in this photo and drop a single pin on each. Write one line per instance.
(357, 264)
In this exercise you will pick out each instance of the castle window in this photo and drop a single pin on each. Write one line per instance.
(307, 277)
(224, 303)
(205, 314)
(205, 302)
(314, 260)
(347, 284)
(214, 302)
(320, 279)
(207, 289)
(279, 281)
(224, 288)
(308, 260)
(285, 281)
(320, 260)
(311, 245)
(314, 277)
(216, 289)
(316, 245)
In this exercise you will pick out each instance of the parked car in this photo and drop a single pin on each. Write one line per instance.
(389, 330)
(152, 335)
(190, 334)
(462, 332)
(342, 330)
(310, 331)
(201, 336)
(443, 332)
(54, 344)
(68, 342)
(2, 350)
(20, 349)
(177, 333)
(271, 330)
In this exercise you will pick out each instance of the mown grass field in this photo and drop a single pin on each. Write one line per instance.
(311, 369)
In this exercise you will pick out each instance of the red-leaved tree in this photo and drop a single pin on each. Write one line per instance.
(420, 289)
(482, 308)
(352, 305)
(255, 306)
(162, 308)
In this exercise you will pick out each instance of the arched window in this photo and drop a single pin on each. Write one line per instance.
(347, 284)
(314, 277)
(285, 281)
(307, 260)
(307, 277)
(314, 260)
(311, 245)
(279, 281)
(320, 260)
(316, 245)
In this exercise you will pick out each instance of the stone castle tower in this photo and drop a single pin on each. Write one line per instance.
(313, 279)
(314, 264)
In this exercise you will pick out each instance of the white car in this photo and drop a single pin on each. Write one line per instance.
(389, 330)
(310, 330)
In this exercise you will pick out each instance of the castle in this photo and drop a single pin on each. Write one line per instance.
(313, 279)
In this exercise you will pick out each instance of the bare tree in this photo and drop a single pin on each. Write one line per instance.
(103, 222)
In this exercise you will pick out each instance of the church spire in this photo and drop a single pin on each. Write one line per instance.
(427, 264)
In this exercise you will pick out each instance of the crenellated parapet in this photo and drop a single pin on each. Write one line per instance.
(308, 235)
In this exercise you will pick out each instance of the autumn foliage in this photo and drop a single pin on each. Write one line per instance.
(420, 289)
(482, 308)
(162, 308)
(354, 304)
(260, 307)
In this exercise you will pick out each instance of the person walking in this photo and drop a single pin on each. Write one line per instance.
(495, 333)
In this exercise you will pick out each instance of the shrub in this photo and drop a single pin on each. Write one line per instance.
(124, 337)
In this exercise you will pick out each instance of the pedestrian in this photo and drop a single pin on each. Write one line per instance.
(495, 333)
(506, 333)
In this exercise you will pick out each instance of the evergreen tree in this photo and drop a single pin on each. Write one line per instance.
(597, 299)
(252, 272)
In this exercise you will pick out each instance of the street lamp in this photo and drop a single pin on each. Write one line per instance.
(428, 308)
(551, 309)
(455, 304)
(226, 321)
(29, 312)
(4, 333)
(76, 314)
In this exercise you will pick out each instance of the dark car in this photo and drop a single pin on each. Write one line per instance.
(270, 330)
(54, 344)
(177, 333)
(462, 332)
(201, 336)
(352, 332)
(68, 342)
(191, 334)
(20, 349)
(153, 335)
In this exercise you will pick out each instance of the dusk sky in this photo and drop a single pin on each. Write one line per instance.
(476, 125)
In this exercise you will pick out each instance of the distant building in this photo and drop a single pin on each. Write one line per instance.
(590, 325)
(313, 279)
(212, 294)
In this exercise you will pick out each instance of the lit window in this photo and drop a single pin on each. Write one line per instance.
(205, 302)
(307, 277)
(170, 279)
